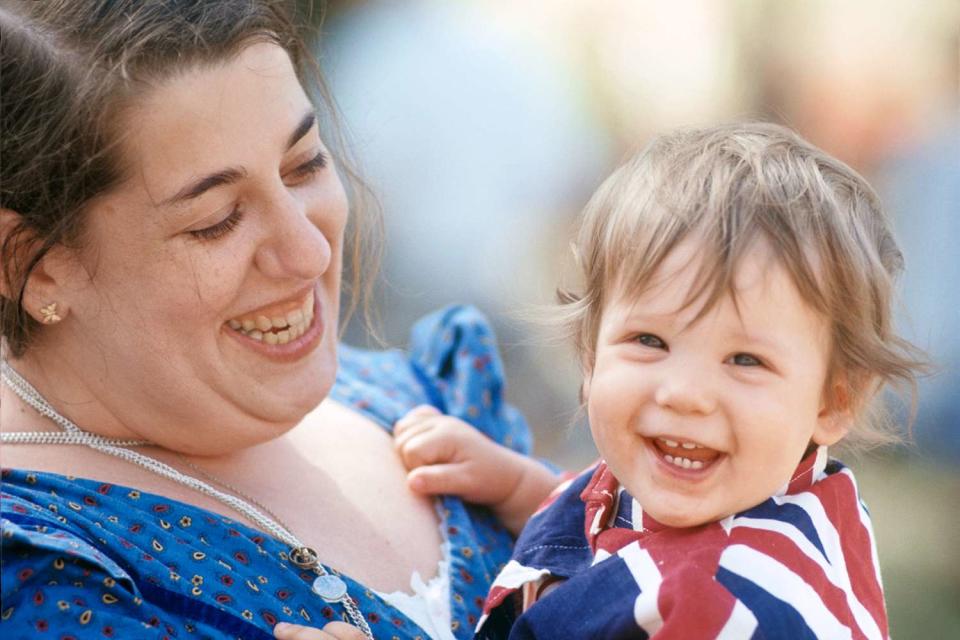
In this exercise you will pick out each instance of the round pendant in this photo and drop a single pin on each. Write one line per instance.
(330, 588)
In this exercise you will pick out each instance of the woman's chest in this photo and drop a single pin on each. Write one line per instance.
(335, 483)
(349, 500)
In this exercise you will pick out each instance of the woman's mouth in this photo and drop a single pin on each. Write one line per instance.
(277, 326)
(684, 454)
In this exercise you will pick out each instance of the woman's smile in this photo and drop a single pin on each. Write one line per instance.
(287, 330)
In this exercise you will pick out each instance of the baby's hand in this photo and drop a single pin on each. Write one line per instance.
(331, 631)
(447, 456)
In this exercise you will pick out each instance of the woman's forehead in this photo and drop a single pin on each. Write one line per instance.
(212, 119)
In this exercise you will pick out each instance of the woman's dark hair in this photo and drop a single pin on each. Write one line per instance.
(67, 70)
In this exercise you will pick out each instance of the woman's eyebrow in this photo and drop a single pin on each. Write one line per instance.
(230, 175)
(306, 123)
(201, 186)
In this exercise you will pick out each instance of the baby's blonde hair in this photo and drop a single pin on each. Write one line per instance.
(730, 186)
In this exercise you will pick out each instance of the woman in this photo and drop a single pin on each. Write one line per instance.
(189, 460)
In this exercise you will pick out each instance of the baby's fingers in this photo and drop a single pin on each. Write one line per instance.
(439, 479)
(287, 631)
(414, 416)
(332, 631)
(344, 631)
(423, 445)
(402, 438)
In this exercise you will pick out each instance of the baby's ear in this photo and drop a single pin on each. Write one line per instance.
(841, 404)
(586, 368)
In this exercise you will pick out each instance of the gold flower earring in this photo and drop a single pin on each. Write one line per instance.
(49, 314)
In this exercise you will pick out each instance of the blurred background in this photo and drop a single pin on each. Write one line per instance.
(484, 125)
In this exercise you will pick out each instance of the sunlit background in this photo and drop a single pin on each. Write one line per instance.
(484, 125)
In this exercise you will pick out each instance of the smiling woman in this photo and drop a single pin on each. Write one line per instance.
(172, 237)
(243, 233)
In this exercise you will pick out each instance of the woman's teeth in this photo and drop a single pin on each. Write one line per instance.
(279, 329)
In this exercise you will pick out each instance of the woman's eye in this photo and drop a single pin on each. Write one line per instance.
(745, 360)
(650, 340)
(309, 167)
(219, 229)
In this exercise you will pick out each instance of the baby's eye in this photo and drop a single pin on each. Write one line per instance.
(650, 340)
(745, 360)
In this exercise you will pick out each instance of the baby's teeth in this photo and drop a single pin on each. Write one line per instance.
(235, 324)
(295, 317)
(670, 443)
(270, 338)
(249, 325)
(683, 463)
(256, 335)
(690, 445)
(279, 322)
(263, 323)
(283, 337)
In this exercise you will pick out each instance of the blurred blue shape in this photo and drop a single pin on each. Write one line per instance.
(478, 145)
(922, 190)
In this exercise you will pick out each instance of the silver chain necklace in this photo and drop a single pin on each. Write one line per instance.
(329, 587)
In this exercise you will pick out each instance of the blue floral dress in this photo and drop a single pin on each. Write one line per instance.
(85, 559)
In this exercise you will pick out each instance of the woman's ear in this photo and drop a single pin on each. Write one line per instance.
(43, 295)
(838, 412)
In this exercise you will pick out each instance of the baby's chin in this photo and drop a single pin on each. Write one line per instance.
(671, 512)
(681, 520)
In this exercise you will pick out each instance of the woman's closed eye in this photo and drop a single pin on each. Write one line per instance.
(308, 168)
(221, 228)
(228, 224)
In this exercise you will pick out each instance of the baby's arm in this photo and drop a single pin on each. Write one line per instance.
(447, 456)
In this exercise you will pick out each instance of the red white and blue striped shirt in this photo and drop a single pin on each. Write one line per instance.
(802, 564)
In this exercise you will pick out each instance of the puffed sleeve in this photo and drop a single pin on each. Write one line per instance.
(454, 354)
(61, 582)
(451, 363)
(54, 581)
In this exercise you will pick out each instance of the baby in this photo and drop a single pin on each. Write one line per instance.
(735, 321)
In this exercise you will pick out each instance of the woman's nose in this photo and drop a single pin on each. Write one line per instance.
(685, 390)
(293, 246)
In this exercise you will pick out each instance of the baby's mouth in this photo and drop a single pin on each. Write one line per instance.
(685, 454)
(279, 326)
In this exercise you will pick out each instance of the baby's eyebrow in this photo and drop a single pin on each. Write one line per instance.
(757, 339)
